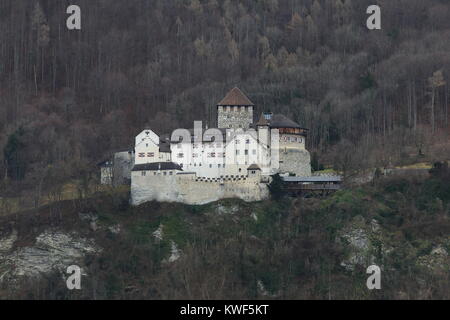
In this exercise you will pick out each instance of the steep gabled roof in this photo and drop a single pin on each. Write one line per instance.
(235, 98)
(281, 121)
(262, 121)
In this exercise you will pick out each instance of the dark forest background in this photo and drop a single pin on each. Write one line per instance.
(70, 98)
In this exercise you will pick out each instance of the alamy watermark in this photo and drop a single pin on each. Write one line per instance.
(74, 20)
(374, 21)
(226, 146)
(374, 281)
(73, 282)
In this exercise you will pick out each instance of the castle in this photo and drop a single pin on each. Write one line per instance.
(201, 165)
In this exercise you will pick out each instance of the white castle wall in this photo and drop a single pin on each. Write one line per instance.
(184, 188)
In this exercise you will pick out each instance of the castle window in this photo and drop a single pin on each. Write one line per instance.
(218, 166)
(151, 154)
(210, 165)
(180, 155)
(142, 155)
(246, 152)
(143, 173)
(240, 170)
(237, 152)
(171, 173)
(247, 141)
(165, 173)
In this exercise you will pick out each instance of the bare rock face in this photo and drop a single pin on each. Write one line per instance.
(7, 243)
(358, 238)
(52, 251)
(437, 261)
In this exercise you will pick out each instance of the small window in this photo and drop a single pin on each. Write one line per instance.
(246, 152)
(237, 152)
(171, 173)
(165, 173)
(210, 165)
(143, 173)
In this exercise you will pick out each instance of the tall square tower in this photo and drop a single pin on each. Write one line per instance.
(235, 111)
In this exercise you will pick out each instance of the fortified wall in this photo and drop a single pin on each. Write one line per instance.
(295, 161)
(187, 188)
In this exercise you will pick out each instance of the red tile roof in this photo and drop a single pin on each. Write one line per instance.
(235, 98)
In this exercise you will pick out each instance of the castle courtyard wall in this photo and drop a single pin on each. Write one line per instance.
(185, 189)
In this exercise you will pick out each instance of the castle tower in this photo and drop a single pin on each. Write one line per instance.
(235, 111)
(263, 129)
(293, 156)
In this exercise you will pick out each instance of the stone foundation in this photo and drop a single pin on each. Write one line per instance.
(185, 189)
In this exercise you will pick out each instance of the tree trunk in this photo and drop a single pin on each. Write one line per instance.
(433, 94)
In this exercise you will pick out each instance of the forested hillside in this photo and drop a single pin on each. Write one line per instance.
(69, 98)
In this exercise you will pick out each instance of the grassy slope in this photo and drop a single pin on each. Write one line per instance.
(294, 247)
